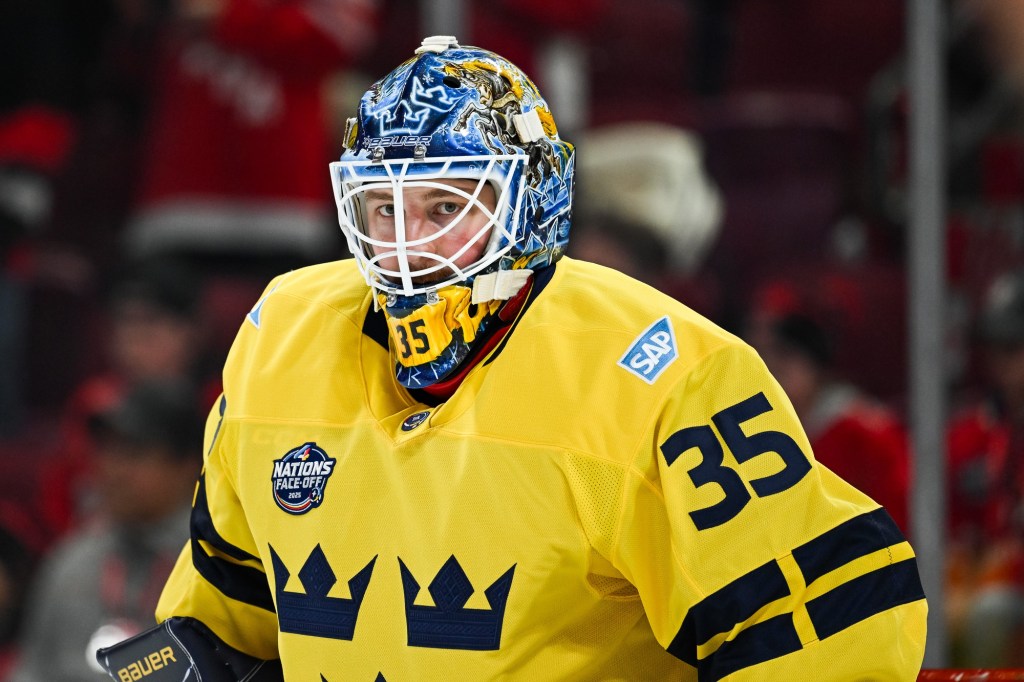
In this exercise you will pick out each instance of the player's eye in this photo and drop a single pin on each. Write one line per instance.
(448, 208)
(386, 210)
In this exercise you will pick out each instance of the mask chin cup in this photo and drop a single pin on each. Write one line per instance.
(431, 334)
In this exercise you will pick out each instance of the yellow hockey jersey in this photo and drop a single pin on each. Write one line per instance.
(619, 491)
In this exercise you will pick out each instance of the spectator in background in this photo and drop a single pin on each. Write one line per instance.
(101, 584)
(239, 134)
(986, 454)
(646, 207)
(45, 60)
(1001, 22)
(152, 332)
(850, 433)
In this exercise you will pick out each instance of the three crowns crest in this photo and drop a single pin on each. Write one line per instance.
(446, 625)
(314, 613)
(449, 625)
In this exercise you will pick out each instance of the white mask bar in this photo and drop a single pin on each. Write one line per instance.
(406, 263)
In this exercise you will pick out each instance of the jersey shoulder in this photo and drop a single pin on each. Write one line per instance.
(336, 285)
(593, 363)
(610, 309)
(297, 334)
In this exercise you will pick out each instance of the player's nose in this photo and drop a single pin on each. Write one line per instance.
(419, 231)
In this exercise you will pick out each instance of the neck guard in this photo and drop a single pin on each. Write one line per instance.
(432, 333)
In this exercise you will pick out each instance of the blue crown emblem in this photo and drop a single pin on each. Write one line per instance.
(299, 478)
(449, 625)
(314, 613)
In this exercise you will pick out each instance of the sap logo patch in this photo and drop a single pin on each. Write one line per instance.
(652, 352)
(300, 477)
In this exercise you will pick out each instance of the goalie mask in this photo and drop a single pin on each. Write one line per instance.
(453, 187)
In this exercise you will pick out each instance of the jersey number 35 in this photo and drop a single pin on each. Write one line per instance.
(713, 470)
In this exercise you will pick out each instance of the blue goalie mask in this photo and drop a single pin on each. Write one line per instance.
(453, 187)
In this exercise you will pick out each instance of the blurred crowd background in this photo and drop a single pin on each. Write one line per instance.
(161, 160)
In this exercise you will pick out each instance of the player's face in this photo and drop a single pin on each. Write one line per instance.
(427, 212)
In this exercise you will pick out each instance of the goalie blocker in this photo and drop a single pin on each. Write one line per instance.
(178, 648)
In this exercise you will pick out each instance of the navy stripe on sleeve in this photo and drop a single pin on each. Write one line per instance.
(203, 529)
(834, 611)
(759, 643)
(241, 583)
(849, 540)
(864, 597)
(720, 611)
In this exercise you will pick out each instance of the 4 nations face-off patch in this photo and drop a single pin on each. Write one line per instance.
(300, 477)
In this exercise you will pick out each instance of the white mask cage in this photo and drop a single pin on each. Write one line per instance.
(410, 264)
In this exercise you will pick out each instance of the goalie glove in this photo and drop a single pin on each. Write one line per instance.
(183, 650)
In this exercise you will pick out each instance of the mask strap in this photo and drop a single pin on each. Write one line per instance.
(499, 286)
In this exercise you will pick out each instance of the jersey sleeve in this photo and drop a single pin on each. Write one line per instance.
(752, 560)
(219, 578)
